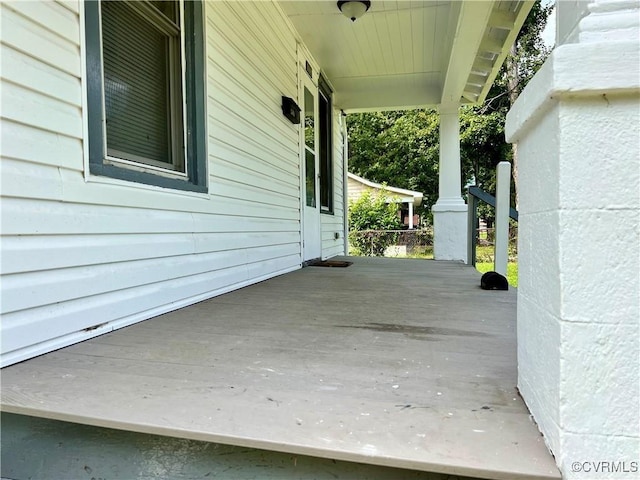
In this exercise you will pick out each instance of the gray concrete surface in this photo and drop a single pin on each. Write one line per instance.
(389, 362)
(36, 448)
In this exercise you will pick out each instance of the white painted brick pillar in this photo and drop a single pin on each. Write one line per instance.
(450, 211)
(577, 127)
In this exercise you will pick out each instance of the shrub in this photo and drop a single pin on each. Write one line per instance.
(372, 212)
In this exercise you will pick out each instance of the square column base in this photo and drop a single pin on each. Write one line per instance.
(450, 231)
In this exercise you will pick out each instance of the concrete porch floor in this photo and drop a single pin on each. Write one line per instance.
(390, 362)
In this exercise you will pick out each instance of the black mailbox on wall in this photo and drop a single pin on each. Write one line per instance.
(291, 110)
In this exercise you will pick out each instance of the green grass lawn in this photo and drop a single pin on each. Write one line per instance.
(512, 271)
(484, 261)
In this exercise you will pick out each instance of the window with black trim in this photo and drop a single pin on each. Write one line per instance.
(146, 92)
(326, 147)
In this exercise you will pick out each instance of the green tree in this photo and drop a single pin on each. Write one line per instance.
(525, 58)
(402, 149)
(397, 148)
(367, 217)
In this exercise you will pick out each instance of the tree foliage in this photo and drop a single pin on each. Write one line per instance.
(402, 149)
(396, 148)
(526, 56)
(372, 212)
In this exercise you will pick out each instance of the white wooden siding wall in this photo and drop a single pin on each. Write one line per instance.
(332, 224)
(356, 189)
(79, 254)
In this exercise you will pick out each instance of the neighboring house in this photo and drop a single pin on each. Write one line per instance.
(407, 200)
(147, 165)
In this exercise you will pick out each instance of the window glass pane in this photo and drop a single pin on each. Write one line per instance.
(310, 177)
(136, 86)
(309, 120)
(326, 182)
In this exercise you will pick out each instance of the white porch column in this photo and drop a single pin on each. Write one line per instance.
(410, 215)
(450, 211)
(576, 125)
(503, 203)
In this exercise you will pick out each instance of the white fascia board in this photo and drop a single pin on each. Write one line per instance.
(387, 92)
(472, 24)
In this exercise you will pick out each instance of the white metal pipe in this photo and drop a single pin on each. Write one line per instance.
(503, 197)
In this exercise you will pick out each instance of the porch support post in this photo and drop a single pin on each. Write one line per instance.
(576, 126)
(501, 236)
(450, 211)
(410, 215)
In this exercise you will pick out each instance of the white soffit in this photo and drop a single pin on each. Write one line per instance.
(391, 57)
(405, 54)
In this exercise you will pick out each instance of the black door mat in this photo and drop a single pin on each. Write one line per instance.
(329, 263)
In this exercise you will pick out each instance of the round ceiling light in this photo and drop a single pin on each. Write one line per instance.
(354, 9)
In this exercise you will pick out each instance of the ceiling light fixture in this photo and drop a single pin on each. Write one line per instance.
(354, 9)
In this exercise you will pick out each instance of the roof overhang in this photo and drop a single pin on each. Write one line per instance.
(394, 194)
(408, 54)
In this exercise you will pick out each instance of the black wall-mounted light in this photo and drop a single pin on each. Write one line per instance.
(291, 110)
(354, 9)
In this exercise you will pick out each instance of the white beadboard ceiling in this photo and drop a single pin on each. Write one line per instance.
(404, 54)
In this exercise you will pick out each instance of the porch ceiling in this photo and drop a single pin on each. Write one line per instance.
(403, 363)
(405, 54)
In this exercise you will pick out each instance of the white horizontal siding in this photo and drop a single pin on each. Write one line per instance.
(71, 5)
(40, 43)
(29, 290)
(19, 68)
(51, 16)
(30, 144)
(19, 104)
(113, 310)
(34, 217)
(38, 253)
(79, 253)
